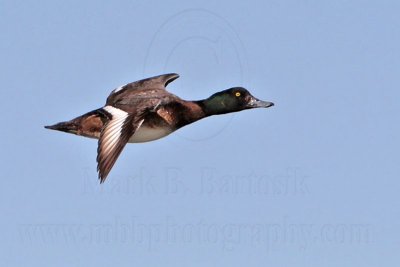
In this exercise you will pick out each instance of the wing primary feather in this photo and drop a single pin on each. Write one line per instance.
(113, 138)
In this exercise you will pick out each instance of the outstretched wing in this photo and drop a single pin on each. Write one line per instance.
(113, 138)
(156, 82)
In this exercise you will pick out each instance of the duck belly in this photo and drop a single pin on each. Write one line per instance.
(147, 134)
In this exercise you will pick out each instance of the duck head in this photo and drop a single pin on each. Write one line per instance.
(232, 100)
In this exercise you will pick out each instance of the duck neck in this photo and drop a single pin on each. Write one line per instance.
(213, 106)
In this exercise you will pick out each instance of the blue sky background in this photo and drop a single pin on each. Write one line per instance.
(313, 181)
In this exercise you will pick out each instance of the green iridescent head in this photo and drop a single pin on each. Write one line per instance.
(233, 100)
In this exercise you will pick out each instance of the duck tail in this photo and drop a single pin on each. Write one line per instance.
(88, 125)
(66, 126)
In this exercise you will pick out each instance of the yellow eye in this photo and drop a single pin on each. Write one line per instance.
(237, 94)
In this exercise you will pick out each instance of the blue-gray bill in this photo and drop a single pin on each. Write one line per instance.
(257, 103)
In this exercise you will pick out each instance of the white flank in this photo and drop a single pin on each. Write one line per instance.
(146, 134)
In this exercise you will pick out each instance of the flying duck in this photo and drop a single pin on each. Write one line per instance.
(144, 111)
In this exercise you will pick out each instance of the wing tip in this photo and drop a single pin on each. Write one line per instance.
(102, 172)
(102, 178)
(170, 77)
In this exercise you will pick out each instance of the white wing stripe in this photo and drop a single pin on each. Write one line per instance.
(113, 130)
(116, 111)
